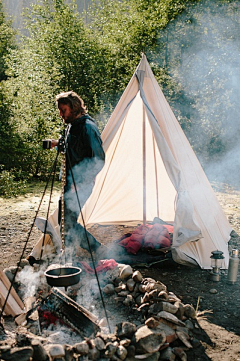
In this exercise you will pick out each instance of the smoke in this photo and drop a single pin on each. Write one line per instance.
(59, 334)
(31, 281)
(84, 175)
(203, 57)
(226, 170)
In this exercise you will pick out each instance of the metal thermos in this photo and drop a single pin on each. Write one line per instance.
(233, 266)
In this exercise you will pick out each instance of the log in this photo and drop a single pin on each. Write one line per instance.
(29, 304)
(12, 307)
(7, 284)
(67, 311)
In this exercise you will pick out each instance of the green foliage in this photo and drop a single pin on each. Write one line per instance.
(125, 29)
(72, 58)
(6, 41)
(10, 183)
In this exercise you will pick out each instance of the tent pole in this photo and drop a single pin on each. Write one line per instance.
(144, 167)
(156, 175)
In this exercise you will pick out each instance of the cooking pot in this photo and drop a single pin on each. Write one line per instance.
(63, 276)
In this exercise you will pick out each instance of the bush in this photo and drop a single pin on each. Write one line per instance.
(10, 184)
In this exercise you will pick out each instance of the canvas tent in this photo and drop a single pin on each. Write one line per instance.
(152, 171)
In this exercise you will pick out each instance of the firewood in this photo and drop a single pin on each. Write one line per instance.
(12, 307)
(69, 312)
(7, 284)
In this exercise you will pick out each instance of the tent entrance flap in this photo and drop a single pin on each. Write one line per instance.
(134, 182)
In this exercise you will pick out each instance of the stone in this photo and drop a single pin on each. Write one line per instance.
(146, 280)
(137, 276)
(163, 295)
(142, 288)
(109, 289)
(18, 353)
(184, 337)
(130, 351)
(195, 342)
(145, 357)
(93, 354)
(126, 272)
(189, 311)
(170, 318)
(167, 355)
(115, 358)
(150, 286)
(180, 311)
(153, 294)
(144, 309)
(136, 289)
(111, 348)
(121, 287)
(119, 299)
(145, 298)
(189, 325)
(130, 284)
(173, 296)
(128, 300)
(152, 322)
(125, 342)
(39, 352)
(169, 307)
(103, 322)
(4, 348)
(55, 350)
(213, 291)
(180, 353)
(99, 343)
(139, 300)
(155, 308)
(123, 293)
(125, 329)
(148, 340)
(82, 348)
(121, 352)
(151, 357)
(169, 332)
(69, 353)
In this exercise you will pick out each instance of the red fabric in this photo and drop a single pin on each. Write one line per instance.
(102, 266)
(149, 236)
(157, 237)
(135, 241)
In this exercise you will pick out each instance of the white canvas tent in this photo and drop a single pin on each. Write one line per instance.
(152, 171)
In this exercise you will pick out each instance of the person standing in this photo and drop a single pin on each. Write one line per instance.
(85, 158)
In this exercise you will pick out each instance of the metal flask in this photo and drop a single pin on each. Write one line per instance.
(233, 266)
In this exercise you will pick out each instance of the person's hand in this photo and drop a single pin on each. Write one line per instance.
(54, 143)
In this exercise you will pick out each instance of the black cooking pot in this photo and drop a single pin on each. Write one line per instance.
(63, 276)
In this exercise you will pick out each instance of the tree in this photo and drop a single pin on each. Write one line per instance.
(56, 56)
(9, 138)
(7, 41)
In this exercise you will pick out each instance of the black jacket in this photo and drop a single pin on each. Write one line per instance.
(83, 141)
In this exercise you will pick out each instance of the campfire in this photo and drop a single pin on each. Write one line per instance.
(142, 320)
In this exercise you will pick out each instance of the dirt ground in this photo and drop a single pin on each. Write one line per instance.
(218, 302)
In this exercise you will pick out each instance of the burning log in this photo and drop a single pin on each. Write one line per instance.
(57, 306)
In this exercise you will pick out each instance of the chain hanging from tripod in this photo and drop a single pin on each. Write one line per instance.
(62, 148)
